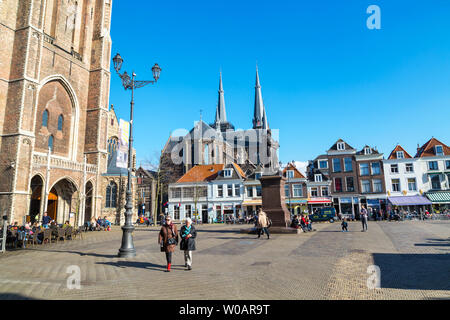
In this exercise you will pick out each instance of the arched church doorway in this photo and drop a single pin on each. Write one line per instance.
(52, 204)
(36, 186)
(62, 203)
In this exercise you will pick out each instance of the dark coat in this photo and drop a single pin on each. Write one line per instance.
(164, 235)
(188, 244)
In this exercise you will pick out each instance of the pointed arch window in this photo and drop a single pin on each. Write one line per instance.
(60, 122)
(50, 143)
(45, 118)
(111, 195)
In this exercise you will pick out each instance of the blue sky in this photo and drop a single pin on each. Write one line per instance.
(324, 74)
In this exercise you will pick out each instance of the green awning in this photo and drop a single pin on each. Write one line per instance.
(439, 197)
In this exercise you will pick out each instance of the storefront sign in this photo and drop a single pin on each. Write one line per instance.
(346, 200)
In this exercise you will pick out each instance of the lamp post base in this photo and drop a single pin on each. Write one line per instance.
(127, 250)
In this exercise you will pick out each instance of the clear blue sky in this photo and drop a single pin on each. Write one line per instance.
(324, 75)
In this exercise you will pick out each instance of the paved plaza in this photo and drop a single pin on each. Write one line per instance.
(413, 257)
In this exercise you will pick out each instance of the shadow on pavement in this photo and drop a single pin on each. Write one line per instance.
(82, 253)
(14, 296)
(434, 243)
(135, 264)
(414, 271)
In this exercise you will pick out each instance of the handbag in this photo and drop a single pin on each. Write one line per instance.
(172, 241)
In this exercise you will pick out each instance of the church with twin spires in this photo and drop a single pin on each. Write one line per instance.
(220, 143)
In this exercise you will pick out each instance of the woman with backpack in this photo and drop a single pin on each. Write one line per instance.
(168, 240)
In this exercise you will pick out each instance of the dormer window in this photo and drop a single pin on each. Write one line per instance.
(318, 178)
(341, 146)
(290, 174)
(367, 150)
(400, 155)
(439, 150)
(227, 173)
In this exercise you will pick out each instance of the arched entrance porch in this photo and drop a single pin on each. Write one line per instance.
(36, 186)
(62, 201)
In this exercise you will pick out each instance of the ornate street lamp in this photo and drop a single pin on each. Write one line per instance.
(127, 249)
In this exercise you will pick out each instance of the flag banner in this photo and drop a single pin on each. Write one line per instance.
(122, 151)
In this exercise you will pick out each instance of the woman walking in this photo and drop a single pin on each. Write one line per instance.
(187, 244)
(168, 240)
(263, 224)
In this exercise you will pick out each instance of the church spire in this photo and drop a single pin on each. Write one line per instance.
(221, 115)
(259, 116)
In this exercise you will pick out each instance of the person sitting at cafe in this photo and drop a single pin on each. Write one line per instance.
(106, 224)
(66, 224)
(303, 224)
(100, 223)
(27, 228)
(295, 223)
(92, 224)
(308, 224)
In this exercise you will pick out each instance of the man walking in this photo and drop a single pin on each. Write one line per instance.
(364, 218)
(46, 220)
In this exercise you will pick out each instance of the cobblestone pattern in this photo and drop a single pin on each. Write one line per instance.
(325, 264)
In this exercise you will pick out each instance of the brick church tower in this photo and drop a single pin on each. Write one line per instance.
(54, 91)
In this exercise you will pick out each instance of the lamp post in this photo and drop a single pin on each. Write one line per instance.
(127, 249)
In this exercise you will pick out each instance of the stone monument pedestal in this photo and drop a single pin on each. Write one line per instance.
(274, 205)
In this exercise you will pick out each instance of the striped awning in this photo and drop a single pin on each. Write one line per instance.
(439, 197)
(409, 201)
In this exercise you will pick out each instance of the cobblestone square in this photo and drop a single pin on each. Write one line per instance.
(413, 258)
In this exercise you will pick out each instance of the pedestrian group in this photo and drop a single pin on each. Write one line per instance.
(169, 237)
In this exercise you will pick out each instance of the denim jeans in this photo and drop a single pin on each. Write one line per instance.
(262, 230)
(364, 223)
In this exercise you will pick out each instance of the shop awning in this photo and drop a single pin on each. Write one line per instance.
(409, 201)
(252, 203)
(319, 200)
(439, 197)
(296, 201)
